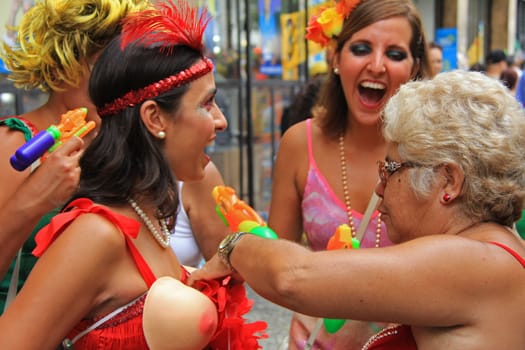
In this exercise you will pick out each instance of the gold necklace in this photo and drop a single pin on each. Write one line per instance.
(347, 196)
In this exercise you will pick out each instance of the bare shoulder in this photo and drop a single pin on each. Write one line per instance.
(466, 261)
(504, 244)
(95, 233)
(295, 136)
(11, 139)
(10, 179)
(293, 147)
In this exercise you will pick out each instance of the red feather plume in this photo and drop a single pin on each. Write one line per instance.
(166, 24)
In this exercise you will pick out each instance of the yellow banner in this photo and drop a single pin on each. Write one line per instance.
(292, 44)
(476, 50)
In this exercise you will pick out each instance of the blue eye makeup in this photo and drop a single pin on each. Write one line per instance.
(397, 55)
(360, 49)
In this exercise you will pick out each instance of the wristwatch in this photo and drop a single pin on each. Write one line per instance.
(226, 247)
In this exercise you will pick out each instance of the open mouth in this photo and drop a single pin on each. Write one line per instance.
(371, 93)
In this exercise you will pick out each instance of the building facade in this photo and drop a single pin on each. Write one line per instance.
(482, 26)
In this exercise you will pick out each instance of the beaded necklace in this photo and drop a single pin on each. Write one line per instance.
(387, 332)
(347, 195)
(164, 239)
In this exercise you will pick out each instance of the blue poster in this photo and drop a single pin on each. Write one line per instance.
(448, 39)
(3, 68)
(269, 26)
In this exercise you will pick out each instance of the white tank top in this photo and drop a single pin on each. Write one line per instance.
(182, 240)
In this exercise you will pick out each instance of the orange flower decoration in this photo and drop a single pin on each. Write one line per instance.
(328, 22)
(347, 6)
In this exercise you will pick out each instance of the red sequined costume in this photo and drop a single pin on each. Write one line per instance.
(124, 330)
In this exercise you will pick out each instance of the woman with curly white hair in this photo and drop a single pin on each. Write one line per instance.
(452, 185)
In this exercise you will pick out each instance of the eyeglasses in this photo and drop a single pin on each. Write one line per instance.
(387, 168)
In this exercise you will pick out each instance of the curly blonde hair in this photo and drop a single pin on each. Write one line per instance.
(56, 37)
(471, 120)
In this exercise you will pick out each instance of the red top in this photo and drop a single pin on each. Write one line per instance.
(124, 330)
(511, 252)
(392, 338)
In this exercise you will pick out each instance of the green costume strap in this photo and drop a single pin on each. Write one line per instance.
(21, 125)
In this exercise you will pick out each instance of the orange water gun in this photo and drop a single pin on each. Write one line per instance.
(342, 239)
(72, 123)
(238, 215)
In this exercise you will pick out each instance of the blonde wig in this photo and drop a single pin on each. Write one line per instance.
(56, 38)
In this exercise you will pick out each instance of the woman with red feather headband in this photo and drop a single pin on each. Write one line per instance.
(106, 277)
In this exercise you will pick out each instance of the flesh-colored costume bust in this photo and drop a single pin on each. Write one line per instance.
(177, 317)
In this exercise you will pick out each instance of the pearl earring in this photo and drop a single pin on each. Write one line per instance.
(336, 71)
(161, 135)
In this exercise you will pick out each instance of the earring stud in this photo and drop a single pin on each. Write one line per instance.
(336, 71)
(161, 135)
(446, 197)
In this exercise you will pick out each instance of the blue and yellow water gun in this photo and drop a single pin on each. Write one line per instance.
(73, 123)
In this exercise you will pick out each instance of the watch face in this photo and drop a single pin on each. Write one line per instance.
(224, 243)
(227, 245)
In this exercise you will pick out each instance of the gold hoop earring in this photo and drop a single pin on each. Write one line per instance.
(161, 135)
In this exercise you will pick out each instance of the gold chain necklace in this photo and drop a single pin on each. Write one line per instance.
(347, 196)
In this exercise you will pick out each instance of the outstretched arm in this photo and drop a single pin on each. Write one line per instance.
(427, 281)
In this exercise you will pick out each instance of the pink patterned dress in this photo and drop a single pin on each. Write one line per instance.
(322, 213)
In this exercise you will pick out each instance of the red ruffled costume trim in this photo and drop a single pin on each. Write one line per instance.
(125, 329)
(232, 330)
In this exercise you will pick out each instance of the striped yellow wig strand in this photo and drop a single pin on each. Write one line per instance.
(56, 38)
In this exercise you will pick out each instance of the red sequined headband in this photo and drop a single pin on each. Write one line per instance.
(135, 97)
(165, 25)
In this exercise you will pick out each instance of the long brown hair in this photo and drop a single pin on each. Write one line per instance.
(334, 108)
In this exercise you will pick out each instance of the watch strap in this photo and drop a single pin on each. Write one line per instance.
(227, 245)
